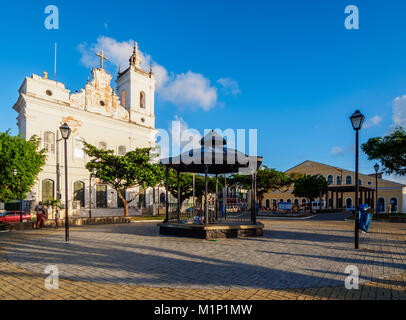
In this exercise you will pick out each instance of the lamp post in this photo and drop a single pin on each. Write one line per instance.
(65, 132)
(93, 173)
(357, 119)
(376, 167)
(15, 174)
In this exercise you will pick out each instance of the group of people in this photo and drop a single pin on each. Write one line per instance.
(41, 212)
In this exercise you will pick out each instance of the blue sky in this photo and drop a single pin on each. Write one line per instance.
(290, 68)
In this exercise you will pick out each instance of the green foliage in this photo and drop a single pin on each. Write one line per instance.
(389, 150)
(54, 203)
(24, 156)
(267, 180)
(134, 169)
(186, 185)
(310, 186)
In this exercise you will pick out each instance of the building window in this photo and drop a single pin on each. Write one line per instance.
(103, 145)
(123, 94)
(47, 190)
(369, 183)
(79, 193)
(49, 142)
(296, 202)
(393, 205)
(78, 149)
(360, 182)
(303, 201)
(122, 150)
(348, 203)
(339, 180)
(162, 198)
(381, 205)
(142, 100)
(330, 179)
(348, 180)
(267, 203)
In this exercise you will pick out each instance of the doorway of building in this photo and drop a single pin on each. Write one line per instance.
(381, 205)
(79, 193)
(101, 196)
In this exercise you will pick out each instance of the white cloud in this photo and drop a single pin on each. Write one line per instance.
(372, 122)
(229, 86)
(189, 89)
(184, 90)
(399, 112)
(336, 151)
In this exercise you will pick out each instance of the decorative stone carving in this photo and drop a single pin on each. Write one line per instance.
(99, 97)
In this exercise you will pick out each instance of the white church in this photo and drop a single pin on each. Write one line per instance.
(115, 120)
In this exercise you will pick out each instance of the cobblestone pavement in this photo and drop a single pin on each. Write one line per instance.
(294, 260)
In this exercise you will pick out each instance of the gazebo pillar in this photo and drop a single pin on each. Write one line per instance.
(178, 174)
(217, 196)
(206, 207)
(166, 195)
(254, 199)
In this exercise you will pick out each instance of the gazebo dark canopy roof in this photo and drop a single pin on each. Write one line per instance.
(215, 154)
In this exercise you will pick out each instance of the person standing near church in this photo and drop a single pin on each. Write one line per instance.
(57, 218)
(39, 209)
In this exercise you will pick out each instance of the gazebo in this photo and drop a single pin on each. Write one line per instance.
(212, 157)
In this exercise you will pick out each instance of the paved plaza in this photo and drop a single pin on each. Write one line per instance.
(303, 259)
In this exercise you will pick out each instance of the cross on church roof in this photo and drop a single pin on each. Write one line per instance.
(102, 58)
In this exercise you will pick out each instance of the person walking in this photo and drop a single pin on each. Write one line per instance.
(39, 209)
(57, 218)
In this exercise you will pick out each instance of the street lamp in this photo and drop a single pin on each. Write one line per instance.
(357, 119)
(376, 167)
(15, 173)
(93, 173)
(65, 132)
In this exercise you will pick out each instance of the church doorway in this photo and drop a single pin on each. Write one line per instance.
(101, 196)
(79, 193)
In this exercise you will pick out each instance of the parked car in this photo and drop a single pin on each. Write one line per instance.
(14, 216)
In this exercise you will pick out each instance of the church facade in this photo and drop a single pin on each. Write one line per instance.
(119, 120)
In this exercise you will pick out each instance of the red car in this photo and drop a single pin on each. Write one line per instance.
(14, 216)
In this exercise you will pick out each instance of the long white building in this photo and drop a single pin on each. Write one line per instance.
(120, 120)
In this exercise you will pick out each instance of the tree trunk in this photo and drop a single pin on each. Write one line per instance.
(125, 203)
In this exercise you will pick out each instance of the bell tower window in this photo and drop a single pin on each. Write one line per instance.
(142, 99)
(123, 98)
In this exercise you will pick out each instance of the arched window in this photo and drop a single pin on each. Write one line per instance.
(162, 198)
(103, 145)
(381, 205)
(47, 190)
(123, 94)
(274, 203)
(360, 182)
(289, 201)
(303, 201)
(122, 150)
(267, 203)
(49, 142)
(142, 100)
(393, 205)
(348, 180)
(338, 180)
(281, 200)
(330, 179)
(296, 202)
(79, 192)
(78, 149)
(348, 203)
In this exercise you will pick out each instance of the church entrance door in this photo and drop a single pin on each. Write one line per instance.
(101, 196)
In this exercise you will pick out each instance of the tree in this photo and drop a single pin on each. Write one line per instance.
(389, 150)
(267, 180)
(310, 187)
(186, 185)
(134, 169)
(16, 153)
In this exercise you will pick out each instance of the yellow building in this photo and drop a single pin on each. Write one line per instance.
(391, 195)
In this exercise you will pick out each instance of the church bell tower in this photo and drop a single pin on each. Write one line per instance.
(136, 89)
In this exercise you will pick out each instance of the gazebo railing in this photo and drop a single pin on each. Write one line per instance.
(235, 213)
